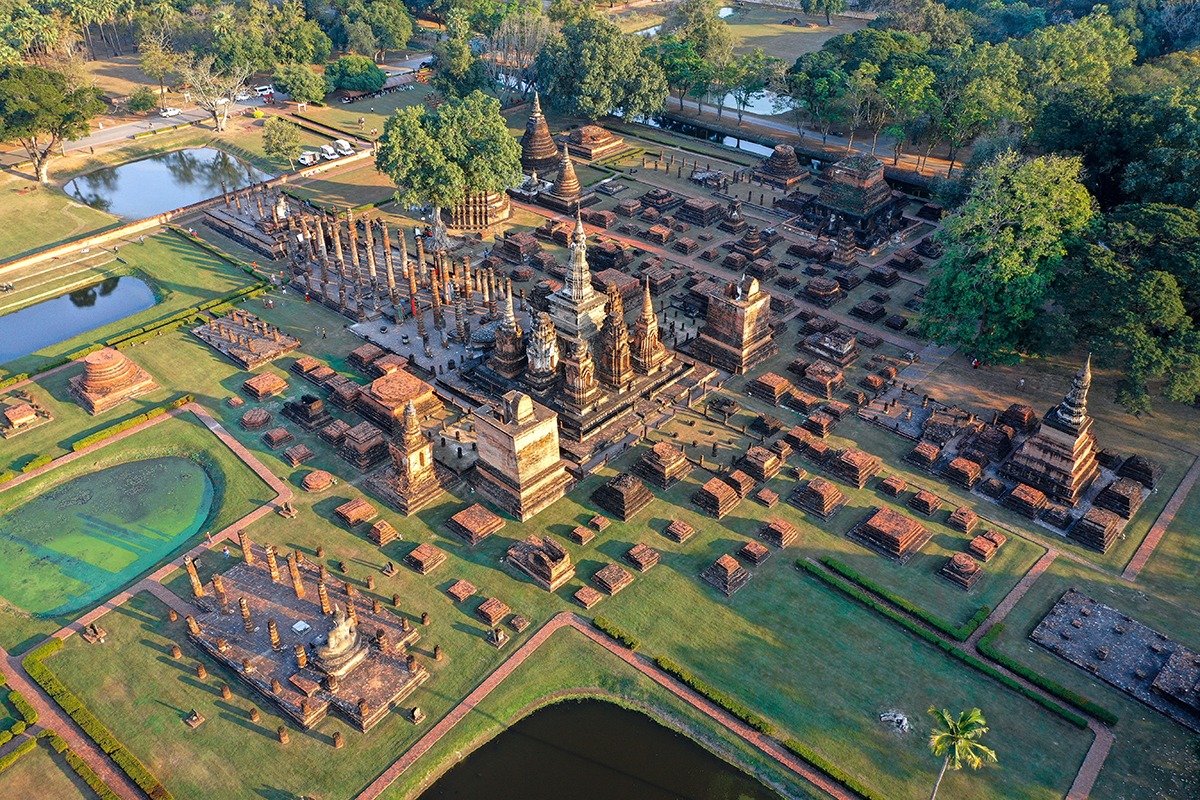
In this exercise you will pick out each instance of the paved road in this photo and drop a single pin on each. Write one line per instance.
(102, 136)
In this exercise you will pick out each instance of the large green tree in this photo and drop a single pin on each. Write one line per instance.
(681, 64)
(1132, 288)
(696, 22)
(300, 83)
(281, 139)
(816, 86)
(1003, 247)
(40, 110)
(355, 74)
(215, 88)
(437, 157)
(592, 70)
(957, 740)
(157, 59)
(753, 72)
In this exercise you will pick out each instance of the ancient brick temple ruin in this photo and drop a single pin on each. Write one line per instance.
(1060, 459)
(580, 360)
(414, 479)
(737, 334)
(303, 642)
(109, 378)
(855, 197)
(539, 153)
(519, 466)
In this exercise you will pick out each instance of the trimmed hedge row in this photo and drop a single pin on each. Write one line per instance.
(615, 633)
(89, 776)
(16, 730)
(36, 462)
(832, 770)
(960, 633)
(95, 729)
(20, 750)
(932, 638)
(1041, 681)
(24, 708)
(113, 430)
(720, 698)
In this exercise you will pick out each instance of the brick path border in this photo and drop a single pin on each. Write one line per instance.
(1165, 518)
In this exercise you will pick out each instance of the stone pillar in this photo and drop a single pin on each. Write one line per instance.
(219, 588)
(323, 595)
(301, 656)
(294, 570)
(283, 734)
(244, 543)
(351, 611)
(273, 630)
(438, 321)
(193, 626)
(421, 267)
(272, 563)
(247, 623)
(388, 266)
(197, 586)
(363, 707)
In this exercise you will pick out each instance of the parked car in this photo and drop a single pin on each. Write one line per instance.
(263, 91)
(170, 112)
(343, 147)
(328, 153)
(243, 96)
(309, 158)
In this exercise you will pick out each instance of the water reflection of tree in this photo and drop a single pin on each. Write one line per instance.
(84, 189)
(83, 298)
(108, 285)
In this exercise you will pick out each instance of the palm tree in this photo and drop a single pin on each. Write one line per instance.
(958, 741)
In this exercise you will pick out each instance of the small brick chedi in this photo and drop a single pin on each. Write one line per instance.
(737, 334)
(539, 153)
(726, 575)
(109, 378)
(891, 533)
(663, 465)
(543, 559)
(623, 496)
(519, 466)
(1060, 459)
(304, 646)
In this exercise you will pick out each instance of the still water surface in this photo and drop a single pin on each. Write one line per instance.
(594, 751)
(59, 318)
(163, 182)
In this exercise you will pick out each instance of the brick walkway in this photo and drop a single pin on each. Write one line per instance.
(1159, 528)
(1013, 597)
(566, 619)
(1092, 763)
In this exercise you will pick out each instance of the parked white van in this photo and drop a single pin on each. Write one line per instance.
(263, 91)
(328, 153)
(309, 158)
(343, 147)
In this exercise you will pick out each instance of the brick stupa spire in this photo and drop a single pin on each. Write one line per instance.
(538, 151)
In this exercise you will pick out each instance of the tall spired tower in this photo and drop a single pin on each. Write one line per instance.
(648, 355)
(613, 367)
(580, 390)
(1060, 459)
(538, 151)
(509, 356)
(577, 308)
(542, 352)
(413, 480)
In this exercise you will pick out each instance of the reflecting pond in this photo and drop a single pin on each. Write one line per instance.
(593, 750)
(707, 134)
(55, 320)
(78, 542)
(163, 182)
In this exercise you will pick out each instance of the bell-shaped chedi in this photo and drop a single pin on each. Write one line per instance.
(538, 151)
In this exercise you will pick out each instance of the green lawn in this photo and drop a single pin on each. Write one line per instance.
(43, 773)
(761, 26)
(236, 492)
(1171, 571)
(180, 274)
(1153, 756)
(357, 187)
(375, 110)
(33, 217)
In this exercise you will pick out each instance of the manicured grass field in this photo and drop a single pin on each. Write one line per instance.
(376, 111)
(181, 274)
(1153, 756)
(1171, 571)
(45, 774)
(236, 492)
(33, 217)
(343, 190)
(761, 26)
